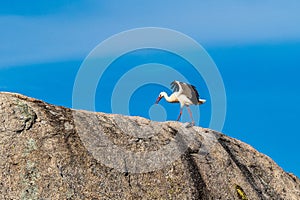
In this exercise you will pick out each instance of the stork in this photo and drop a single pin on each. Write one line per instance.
(185, 94)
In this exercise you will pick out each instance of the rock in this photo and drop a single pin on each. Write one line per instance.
(51, 152)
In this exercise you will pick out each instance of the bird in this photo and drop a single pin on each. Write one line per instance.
(185, 94)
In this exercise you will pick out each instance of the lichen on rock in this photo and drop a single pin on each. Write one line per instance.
(51, 152)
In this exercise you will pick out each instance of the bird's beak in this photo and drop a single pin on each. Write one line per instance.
(158, 99)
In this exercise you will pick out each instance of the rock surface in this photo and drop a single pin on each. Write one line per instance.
(51, 152)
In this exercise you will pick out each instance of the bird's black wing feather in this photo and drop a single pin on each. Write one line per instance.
(174, 86)
(196, 92)
(195, 99)
(191, 92)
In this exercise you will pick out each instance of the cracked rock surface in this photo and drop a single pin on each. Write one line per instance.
(52, 152)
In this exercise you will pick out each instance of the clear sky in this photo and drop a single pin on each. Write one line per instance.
(255, 46)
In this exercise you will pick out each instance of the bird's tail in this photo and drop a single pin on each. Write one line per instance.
(201, 101)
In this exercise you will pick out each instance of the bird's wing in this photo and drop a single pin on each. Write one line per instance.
(186, 89)
(176, 87)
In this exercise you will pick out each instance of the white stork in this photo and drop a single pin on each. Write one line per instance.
(183, 93)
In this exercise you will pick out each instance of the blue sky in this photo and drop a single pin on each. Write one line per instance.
(255, 46)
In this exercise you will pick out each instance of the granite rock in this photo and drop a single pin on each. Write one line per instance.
(52, 152)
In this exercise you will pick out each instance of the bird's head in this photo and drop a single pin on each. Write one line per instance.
(160, 96)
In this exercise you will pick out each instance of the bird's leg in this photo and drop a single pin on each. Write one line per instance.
(179, 114)
(191, 115)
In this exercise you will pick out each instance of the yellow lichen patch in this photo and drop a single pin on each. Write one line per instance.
(240, 192)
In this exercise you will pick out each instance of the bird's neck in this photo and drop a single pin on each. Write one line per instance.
(169, 98)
